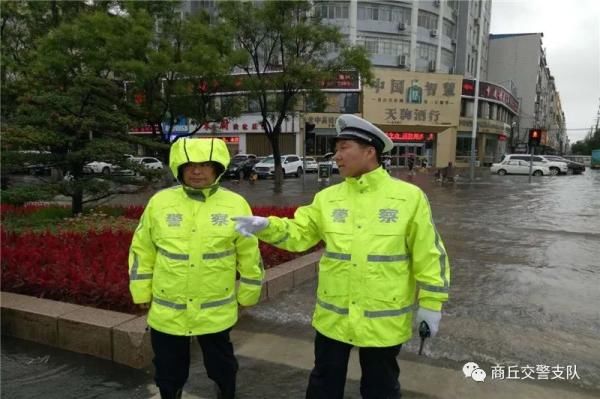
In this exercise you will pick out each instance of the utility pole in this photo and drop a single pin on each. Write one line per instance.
(476, 98)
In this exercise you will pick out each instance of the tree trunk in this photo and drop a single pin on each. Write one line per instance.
(278, 177)
(77, 201)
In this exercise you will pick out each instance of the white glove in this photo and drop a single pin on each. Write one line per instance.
(248, 225)
(431, 317)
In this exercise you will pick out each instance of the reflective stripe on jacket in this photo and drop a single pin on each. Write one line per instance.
(184, 257)
(383, 257)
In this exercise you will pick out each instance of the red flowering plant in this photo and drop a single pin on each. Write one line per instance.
(83, 259)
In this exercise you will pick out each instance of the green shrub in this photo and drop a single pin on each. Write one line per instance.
(26, 193)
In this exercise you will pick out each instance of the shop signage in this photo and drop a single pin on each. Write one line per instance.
(227, 139)
(412, 98)
(410, 136)
(491, 91)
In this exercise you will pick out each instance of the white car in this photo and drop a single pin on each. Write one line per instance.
(328, 159)
(310, 165)
(555, 167)
(291, 164)
(518, 167)
(148, 162)
(100, 167)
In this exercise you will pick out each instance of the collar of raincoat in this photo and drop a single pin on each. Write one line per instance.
(368, 181)
(201, 194)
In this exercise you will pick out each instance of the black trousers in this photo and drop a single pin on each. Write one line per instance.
(172, 362)
(379, 368)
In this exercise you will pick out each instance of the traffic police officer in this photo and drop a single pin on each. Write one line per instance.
(182, 264)
(383, 260)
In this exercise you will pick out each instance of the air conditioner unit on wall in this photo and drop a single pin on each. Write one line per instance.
(402, 60)
(401, 26)
(433, 33)
(453, 42)
(436, 3)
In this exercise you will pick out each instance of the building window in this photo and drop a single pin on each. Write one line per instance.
(380, 46)
(447, 57)
(333, 11)
(463, 145)
(426, 51)
(401, 14)
(448, 28)
(427, 20)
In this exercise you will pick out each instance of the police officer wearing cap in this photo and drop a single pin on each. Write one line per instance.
(384, 264)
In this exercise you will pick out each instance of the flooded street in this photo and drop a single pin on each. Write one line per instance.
(525, 271)
(525, 291)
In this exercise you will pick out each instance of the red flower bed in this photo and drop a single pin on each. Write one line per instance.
(88, 268)
(21, 210)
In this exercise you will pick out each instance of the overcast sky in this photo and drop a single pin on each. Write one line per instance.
(572, 40)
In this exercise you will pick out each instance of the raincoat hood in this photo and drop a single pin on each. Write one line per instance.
(187, 150)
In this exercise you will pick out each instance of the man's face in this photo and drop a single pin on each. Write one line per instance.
(199, 175)
(354, 159)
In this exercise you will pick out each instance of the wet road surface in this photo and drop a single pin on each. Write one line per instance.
(525, 289)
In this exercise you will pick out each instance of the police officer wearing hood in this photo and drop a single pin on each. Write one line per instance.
(182, 264)
(383, 262)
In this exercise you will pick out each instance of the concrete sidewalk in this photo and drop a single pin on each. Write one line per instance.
(274, 345)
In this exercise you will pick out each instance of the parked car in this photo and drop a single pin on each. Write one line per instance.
(310, 165)
(105, 168)
(148, 162)
(328, 158)
(291, 164)
(518, 167)
(555, 167)
(241, 166)
(575, 168)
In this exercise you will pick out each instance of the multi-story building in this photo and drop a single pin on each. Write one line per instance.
(521, 58)
(417, 43)
(420, 51)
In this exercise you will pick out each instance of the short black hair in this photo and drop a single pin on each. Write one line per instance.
(378, 152)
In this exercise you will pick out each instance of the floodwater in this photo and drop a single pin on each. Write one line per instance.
(525, 289)
(525, 262)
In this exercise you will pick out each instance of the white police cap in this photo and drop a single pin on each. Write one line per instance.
(352, 127)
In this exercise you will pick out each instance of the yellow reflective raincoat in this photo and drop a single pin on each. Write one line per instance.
(383, 257)
(185, 252)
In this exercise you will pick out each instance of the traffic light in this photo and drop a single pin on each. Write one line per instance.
(535, 136)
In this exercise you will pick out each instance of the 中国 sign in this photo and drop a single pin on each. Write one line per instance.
(412, 98)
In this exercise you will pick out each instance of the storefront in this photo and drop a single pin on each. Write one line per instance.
(415, 145)
(419, 111)
(497, 109)
(245, 134)
(490, 142)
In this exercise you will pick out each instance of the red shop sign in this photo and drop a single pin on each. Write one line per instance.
(410, 136)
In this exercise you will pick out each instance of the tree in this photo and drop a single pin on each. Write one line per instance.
(71, 104)
(288, 54)
(177, 74)
(585, 146)
(83, 81)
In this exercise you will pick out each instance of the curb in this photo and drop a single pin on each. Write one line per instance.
(120, 337)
